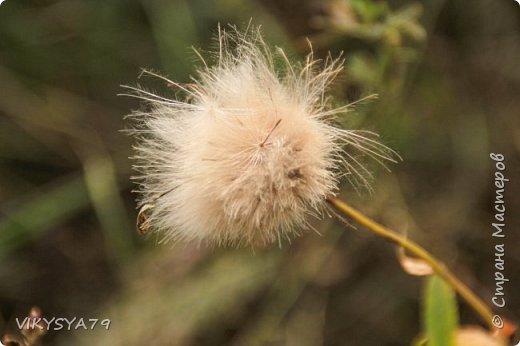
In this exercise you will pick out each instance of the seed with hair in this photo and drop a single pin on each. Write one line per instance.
(249, 152)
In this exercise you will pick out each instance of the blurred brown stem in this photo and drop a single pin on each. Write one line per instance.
(438, 267)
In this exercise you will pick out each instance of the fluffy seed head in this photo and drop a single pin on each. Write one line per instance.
(248, 151)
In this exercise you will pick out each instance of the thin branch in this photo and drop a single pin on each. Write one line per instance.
(438, 267)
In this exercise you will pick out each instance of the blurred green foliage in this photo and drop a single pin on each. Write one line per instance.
(447, 78)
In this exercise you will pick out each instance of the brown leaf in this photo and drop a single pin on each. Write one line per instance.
(505, 328)
(142, 224)
(30, 333)
(477, 336)
(412, 265)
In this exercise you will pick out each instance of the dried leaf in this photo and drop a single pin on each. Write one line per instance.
(142, 225)
(504, 328)
(33, 333)
(477, 336)
(412, 265)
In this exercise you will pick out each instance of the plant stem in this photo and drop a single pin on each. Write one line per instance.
(438, 267)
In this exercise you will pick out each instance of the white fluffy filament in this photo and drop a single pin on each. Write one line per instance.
(249, 152)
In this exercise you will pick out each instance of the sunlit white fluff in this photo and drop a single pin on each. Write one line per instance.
(249, 151)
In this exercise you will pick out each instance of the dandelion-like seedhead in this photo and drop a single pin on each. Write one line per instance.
(248, 152)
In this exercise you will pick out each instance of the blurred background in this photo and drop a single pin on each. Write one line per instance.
(447, 78)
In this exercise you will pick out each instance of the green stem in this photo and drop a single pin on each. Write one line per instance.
(438, 267)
